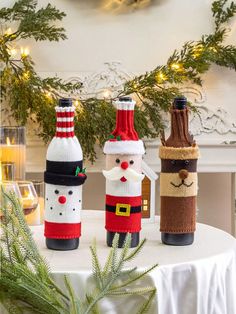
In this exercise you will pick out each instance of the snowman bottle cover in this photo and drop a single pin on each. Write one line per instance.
(124, 176)
(63, 178)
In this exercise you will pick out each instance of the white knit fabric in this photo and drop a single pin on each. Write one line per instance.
(124, 147)
(64, 149)
(65, 109)
(124, 105)
(70, 212)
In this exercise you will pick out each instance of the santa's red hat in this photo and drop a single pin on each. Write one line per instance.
(124, 139)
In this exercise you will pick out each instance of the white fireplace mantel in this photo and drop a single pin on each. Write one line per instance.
(215, 157)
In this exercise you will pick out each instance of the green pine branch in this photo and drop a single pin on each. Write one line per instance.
(26, 285)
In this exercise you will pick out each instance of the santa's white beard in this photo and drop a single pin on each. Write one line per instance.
(117, 173)
(118, 188)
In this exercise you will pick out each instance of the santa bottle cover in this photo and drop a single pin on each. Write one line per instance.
(178, 179)
(63, 178)
(124, 176)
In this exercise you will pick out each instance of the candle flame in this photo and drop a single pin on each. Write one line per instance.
(8, 141)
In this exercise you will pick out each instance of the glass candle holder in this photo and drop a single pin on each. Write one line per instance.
(13, 148)
(37, 217)
(7, 171)
(8, 186)
(28, 196)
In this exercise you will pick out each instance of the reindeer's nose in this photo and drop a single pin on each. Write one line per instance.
(62, 199)
(183, 174)
(124, 165)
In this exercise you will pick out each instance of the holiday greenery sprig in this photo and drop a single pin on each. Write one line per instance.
(30, 96)
(26, 284)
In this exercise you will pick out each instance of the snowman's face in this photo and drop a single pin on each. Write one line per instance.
(63, 203)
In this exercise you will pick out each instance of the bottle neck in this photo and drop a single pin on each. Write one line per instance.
(179, 136)
(125, 124)
(65, 121)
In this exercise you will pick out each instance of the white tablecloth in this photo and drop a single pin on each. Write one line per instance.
(196, 279)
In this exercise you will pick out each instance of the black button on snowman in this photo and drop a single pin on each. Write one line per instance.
(64, 177)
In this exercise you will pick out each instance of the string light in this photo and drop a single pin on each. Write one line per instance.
(197, 50)
(26, 75)
(175, 66)
(24, 52)
(76, 103)
(8, 32)
(160, 77)
(48, 94)
(213, 49)
(106, 93)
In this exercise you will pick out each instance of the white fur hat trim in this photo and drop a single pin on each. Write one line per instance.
(124, 147)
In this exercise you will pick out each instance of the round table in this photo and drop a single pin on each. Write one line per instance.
(200, 278)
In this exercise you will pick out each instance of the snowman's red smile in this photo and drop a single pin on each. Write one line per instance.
(62, 199)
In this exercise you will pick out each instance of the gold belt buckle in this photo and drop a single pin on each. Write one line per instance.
(123, 209)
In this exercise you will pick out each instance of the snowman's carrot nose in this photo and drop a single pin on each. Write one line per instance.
(62, 199)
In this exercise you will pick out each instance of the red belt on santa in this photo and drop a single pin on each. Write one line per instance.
(123, 213)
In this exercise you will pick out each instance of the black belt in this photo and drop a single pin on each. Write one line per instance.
(123, 209)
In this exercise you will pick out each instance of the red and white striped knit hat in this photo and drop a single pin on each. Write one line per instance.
(124, 139)
(65, 145)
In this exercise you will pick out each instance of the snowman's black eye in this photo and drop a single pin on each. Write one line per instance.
(131, 162)
(117, 160)
(56, 192)
(70, 192)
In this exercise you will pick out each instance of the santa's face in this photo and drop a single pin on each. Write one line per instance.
(123, 168)
(123, 174)
(63, 203)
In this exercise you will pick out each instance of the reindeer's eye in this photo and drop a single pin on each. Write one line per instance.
(131, 162)
(186, 162)
(173, 162)
(117, 160)
(56, 192)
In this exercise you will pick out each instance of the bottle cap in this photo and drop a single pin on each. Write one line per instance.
(65, 102)
(125, 98)
(180, 103)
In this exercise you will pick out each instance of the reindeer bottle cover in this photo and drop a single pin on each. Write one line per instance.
(178, 179)
(63, 178)
(123, 176)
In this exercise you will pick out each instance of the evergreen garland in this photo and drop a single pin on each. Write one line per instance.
(26, 285)
(30, 96)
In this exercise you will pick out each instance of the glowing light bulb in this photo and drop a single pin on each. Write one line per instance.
(106, 94)
(24, 52)
(48, 94)
(8, 32)
(76, 103)
(26, 75)
(175, 66)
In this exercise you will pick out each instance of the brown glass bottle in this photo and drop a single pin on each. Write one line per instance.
(178, 179)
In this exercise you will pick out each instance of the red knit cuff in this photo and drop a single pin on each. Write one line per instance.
(62, 230)
(116, 223)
